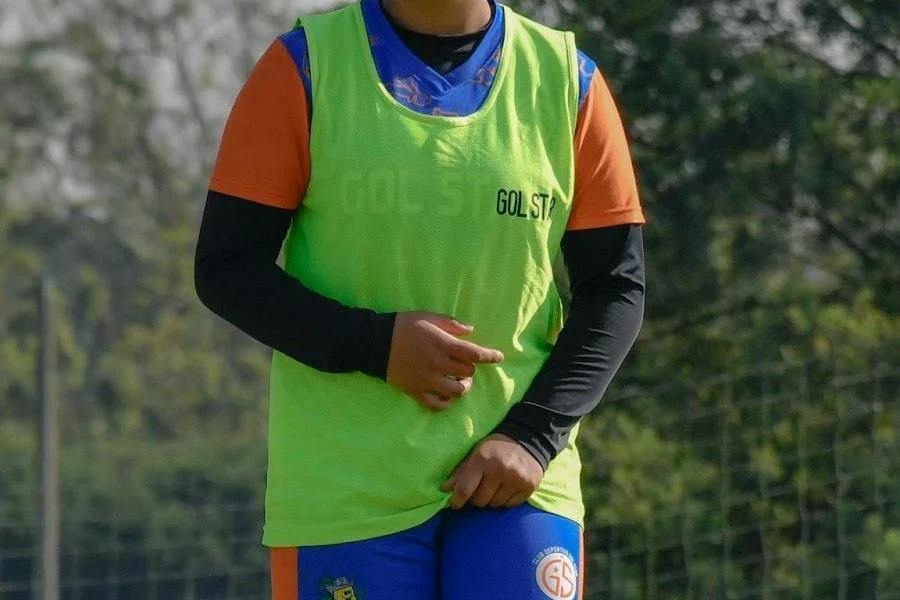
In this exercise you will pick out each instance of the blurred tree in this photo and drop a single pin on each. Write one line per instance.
(766, 135)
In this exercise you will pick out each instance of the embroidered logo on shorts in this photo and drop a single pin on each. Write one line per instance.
(340, 589)
(556, 573)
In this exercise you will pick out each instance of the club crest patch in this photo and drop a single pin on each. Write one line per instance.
(556, 574)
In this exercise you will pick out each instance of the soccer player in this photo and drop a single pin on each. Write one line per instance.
(426, 160)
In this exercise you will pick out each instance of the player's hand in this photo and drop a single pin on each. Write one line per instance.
(430, 363)
(498, 473)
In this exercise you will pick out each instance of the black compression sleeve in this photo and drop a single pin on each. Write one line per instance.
(236, 276)
(606, 269)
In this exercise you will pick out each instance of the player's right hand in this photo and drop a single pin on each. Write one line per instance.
(430, 363)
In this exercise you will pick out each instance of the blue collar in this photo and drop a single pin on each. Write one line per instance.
(392, 57)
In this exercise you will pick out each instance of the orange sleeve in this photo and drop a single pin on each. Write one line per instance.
(264, 154)
(605, 187)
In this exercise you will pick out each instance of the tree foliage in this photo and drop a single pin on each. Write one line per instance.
(750, 444)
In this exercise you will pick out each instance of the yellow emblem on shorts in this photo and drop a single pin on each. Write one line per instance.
(341, 589)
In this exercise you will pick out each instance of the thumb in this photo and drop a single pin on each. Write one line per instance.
(452, 326)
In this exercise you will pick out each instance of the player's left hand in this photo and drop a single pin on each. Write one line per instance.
(498, 473)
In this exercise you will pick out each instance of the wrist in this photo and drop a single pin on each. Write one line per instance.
(539, 449)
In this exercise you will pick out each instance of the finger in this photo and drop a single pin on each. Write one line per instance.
(448, 485)
(488, 487)
(473, 353)
(466, 484)
(434, 402)
(518, 499)
(503, 495)
(451, 325)
(457, 368)
(452, 388)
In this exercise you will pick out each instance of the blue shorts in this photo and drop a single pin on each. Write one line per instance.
(474, 554)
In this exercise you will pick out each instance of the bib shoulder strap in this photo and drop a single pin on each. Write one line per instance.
(552, 52)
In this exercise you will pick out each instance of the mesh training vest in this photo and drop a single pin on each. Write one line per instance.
(404, 211)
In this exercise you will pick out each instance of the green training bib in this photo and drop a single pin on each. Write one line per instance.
(405, 211)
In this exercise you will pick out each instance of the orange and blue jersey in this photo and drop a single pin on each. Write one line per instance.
(265, 157)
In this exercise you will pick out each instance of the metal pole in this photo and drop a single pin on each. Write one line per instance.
(49, 445)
